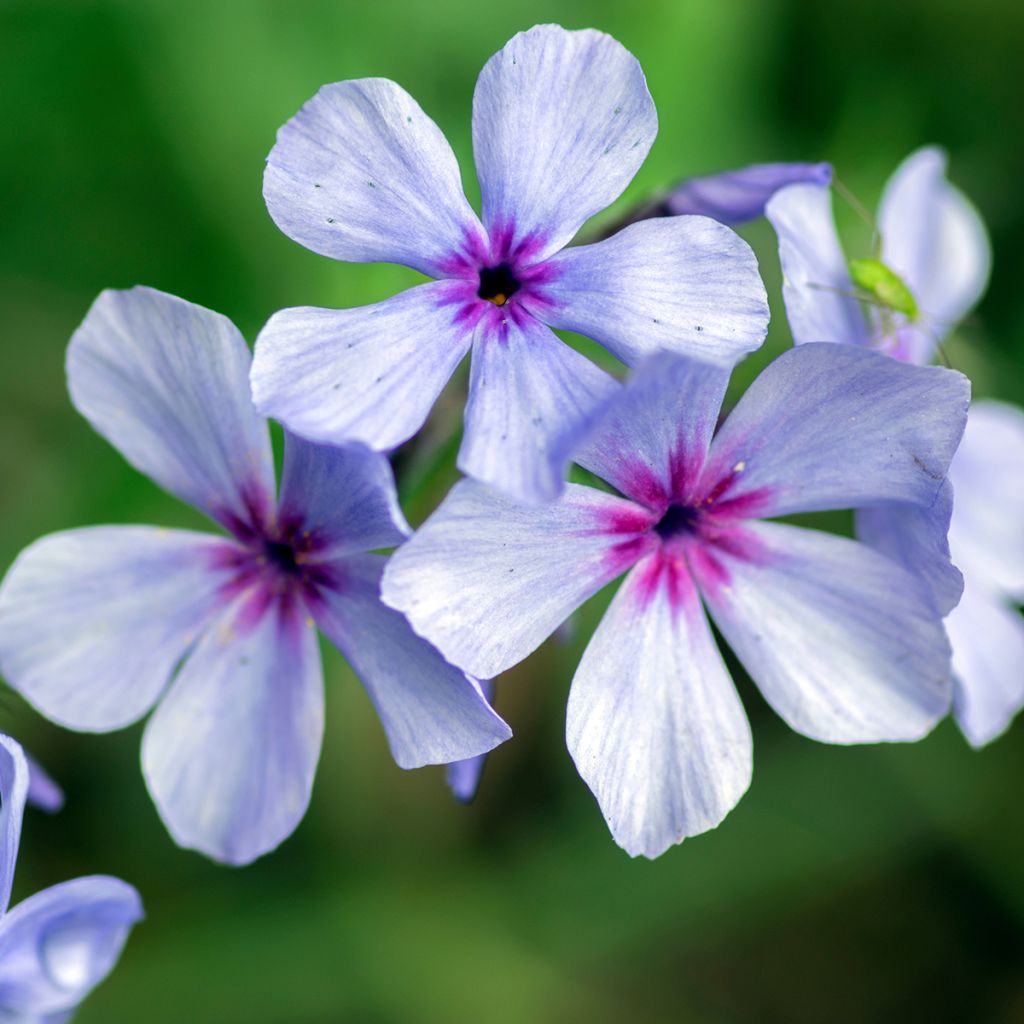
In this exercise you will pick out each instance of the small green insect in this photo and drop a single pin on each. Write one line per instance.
(884, 286)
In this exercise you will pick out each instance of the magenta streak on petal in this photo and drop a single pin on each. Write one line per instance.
(669, 570)
(255, 518)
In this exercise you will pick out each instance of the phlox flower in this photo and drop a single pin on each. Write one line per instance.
(561, 123)
(935, 246)
(843, 642)
(58, 945)
(98, 625)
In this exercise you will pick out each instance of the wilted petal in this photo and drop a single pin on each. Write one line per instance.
(816, 282)
(166, 382)
(230, 754)
(432, 713)
(93, 621)
(561, 123)
(654, 724)
(463, 777)
(361, 173)
(682, 284)
(369, 375)
(843, 642)
(13, 792)
(43, 792)
(833, 426)
(487, 580)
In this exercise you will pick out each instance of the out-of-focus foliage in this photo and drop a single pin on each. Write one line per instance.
(881, 883)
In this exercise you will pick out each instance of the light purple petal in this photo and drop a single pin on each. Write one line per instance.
(833, 426)
(14, 780)
(431, 712)
(369, 375)
(654, 724)
(463, 777)
(987, 635)
(653, 436)
(360, 173)
(532, 398)
(345, 496)
(487, 580)
(682, 284)
(987, 531)
(58, 945)
(230, 754)
(561, 123)
(934, 239)
(43, 792)
(733, 197)
(916, 537)
(843, 642)
(166, 383)
(816, 286)
(93, 621)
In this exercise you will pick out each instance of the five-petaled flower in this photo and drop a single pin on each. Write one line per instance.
(843, 642)
(94, 623)
(561, 123)
(59, 944)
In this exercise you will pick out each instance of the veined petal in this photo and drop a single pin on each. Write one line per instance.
(987, 635)
(487, 580)
(834, 426)
(816, 282)
(654, 724)
(360, 173)
(986, 534)
(14, 780)
(368, 375)
(463, 777)
(532, 399)
(93, 621)
(934, 239)
(682, 284)
(230, 754)
(58, 945)
(166, 383)
(561, 123)
(43, 792)
(653, 436)
(843, 642)
(432, 713)
(345, 496)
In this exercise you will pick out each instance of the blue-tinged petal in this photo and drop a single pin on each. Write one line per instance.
(344, 496)
(230, 754)
(986, 534)
(369, 375)
(93, 621)
(816, 284)
(58, 945)
(360, 173)
(654, 724)
(487, 579)
(653, 436)
(987, 635)
(561, 123)
(43, 792)
(14, 781)
(682, 284)
(833, 426)
(843, 642)
(916, 536)
(934, 239)
(463, 777)
(532, 399)
(166, 383)
(431, 712)
(733, 197)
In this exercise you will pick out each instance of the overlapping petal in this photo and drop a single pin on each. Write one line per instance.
(431, 712)
(843, 642)
(463, 777)
(683, 284)
(360, 173)
(654, 724)
(166, 383)
(561, 123)
(93, 621)
(14, 779)
(230, 753)
(43, 792)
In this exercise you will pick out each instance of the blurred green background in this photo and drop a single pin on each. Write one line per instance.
(864, 884)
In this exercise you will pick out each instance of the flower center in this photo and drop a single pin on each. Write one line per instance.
(281, 556)
(497, 284)
(676, 520)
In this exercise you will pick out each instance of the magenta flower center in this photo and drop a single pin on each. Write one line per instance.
(678, 519)
(497, 284)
